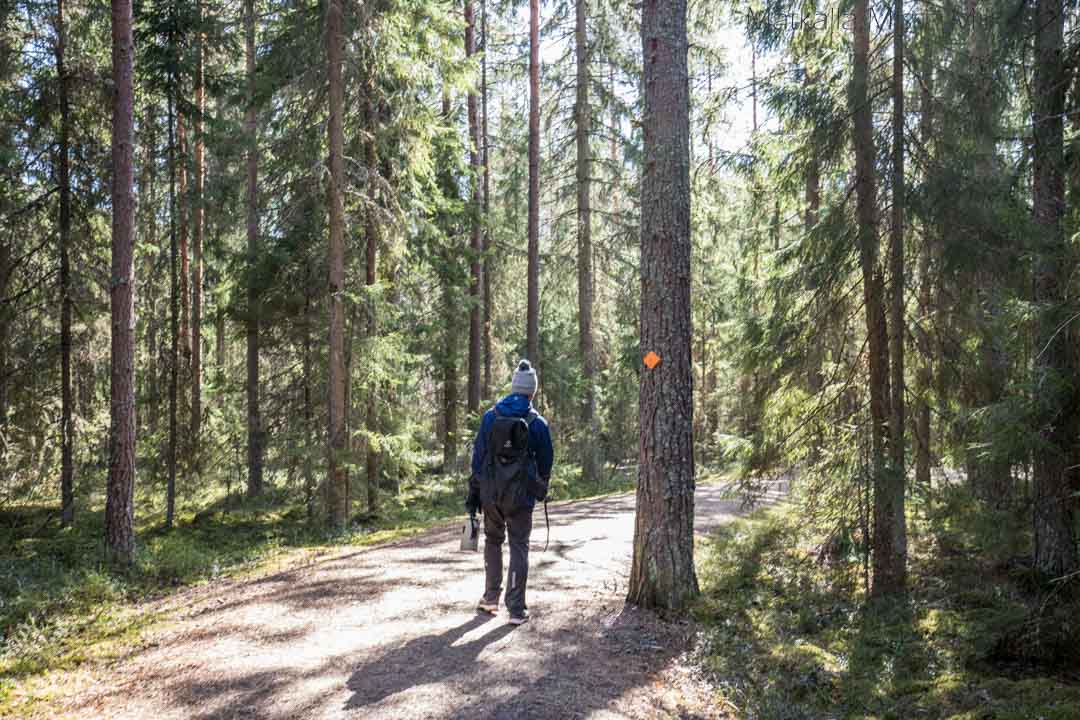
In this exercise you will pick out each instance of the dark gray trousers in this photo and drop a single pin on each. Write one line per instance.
(496, 527)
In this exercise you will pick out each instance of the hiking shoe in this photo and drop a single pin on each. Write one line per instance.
(519, 618)
(491, 608)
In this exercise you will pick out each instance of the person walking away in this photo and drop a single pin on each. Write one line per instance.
(511, 470)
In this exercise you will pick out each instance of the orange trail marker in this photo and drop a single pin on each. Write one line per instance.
(651, 360)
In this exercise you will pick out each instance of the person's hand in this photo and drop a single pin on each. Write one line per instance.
(472, 503)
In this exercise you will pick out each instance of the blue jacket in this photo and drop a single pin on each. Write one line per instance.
(540, 447)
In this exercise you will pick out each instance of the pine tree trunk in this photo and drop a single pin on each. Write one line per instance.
(67, 429)
(371, 277)
(145, 227)
(662, 574)
(185, 265)
(590, 471)
(533, 312)
(815, 380)
(199, 218)
(221, 345)
(485, 272)
(896, 271)
(174, 326)
(119, 507)
(450, 386)
(6, 271)
(448, 361)
(924, 376)
(308, 401)
(889, 551)
(255, 444)
(337, 500)
(476, 346)
(1056, 461)
(990, 479)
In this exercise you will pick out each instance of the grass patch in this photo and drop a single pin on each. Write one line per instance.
(61, 605)
(788, 637)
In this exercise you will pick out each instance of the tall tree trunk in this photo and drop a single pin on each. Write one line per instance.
(889, 549)
(924, 376)
(308, 400)
(613, 150)
(184, 205)
(145, 227)
(989, 476)
(221, 346)
(662, 574)
(6, 271)
(896, 269)
(174, 325)
(67, 429)
(255, 443)
(448, 361)
(197, 243)
(337, 499)
(119, 506)
(371, 277)
(532, 332)
(815, 380)
(450, 382)
(582, 112)
(485, 272)
(1056, 461)
(476, 346)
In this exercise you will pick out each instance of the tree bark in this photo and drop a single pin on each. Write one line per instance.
(476, 328)
(988, 477)
(1056, 461)
(145, 227)
(485, 272)
(67, 429)
(119, 506)
(6, 271)
(590, 458)
(815, 380)
(448, 361)
(199, 218)
(532, 331)
(371, 277)
(337, 500)
(308, 400)
(185, 203)
(889, 541)
(662, 574)
(896, 265)
(174, 325)
(255, 442)
(924, 376)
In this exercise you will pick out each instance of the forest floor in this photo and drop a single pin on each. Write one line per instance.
(392, 632)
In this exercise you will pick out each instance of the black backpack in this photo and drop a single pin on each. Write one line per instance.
(505, 482)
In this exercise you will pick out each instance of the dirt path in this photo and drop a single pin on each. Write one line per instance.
(391, 632)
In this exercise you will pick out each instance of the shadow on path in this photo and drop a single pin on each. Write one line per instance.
(427, 659)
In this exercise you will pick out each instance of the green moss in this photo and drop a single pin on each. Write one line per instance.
(787, 636)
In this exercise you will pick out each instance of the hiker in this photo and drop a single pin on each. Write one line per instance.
(511, 469)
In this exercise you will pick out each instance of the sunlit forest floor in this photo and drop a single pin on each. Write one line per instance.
(787, 632)
(388, 631)
(782, 631)
(60, 605)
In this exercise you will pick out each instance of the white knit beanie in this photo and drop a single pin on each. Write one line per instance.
(524, 382)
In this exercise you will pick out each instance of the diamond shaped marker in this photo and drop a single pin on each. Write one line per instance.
(651, 360)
